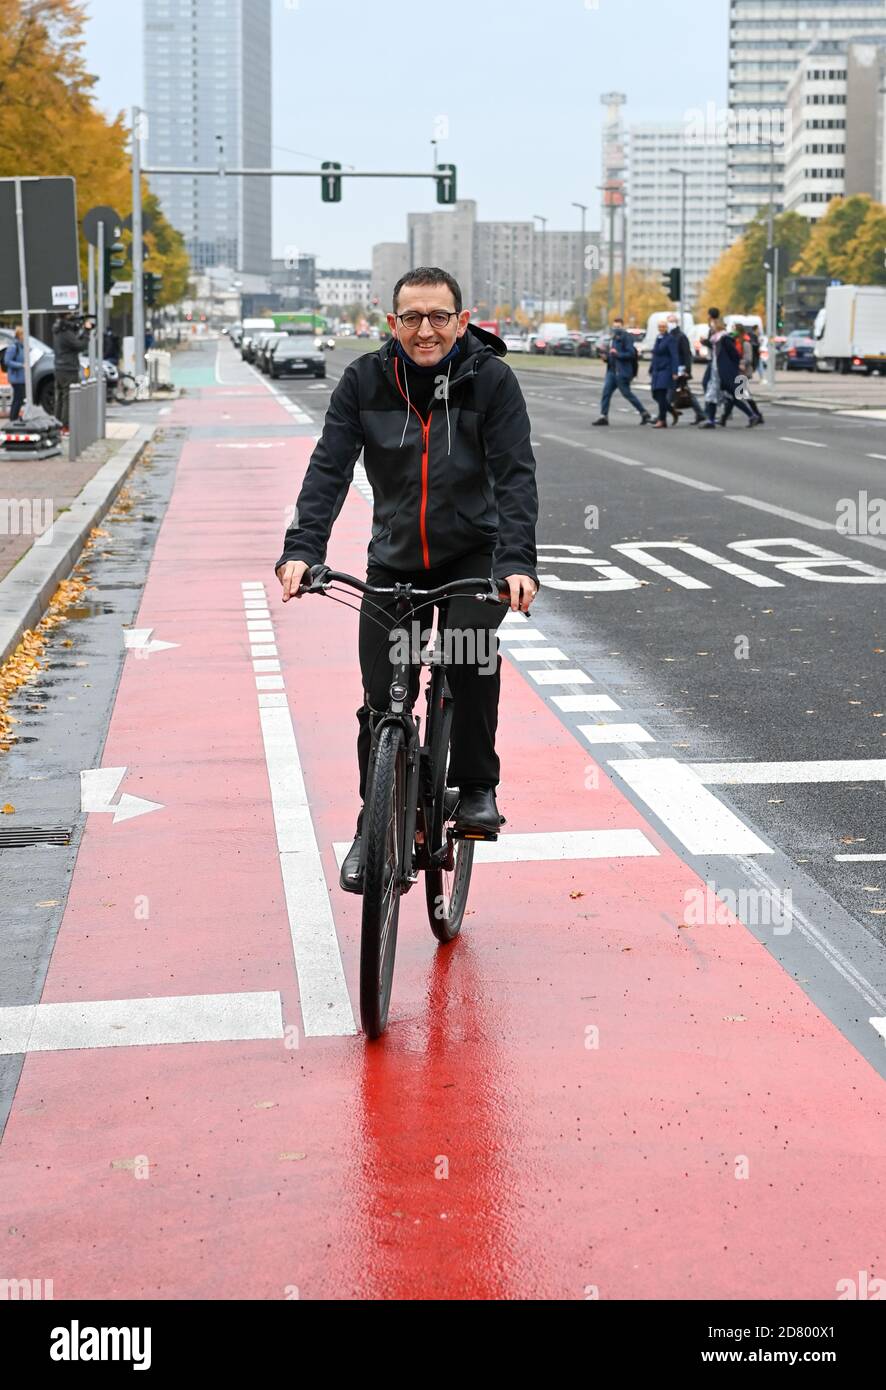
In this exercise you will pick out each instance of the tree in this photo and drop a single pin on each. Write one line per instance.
(866, 261)
(51, 125)
(830, 248)
(736, 283)
(644, 295)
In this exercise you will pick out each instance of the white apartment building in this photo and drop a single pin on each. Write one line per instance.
(767, 39)
(655, 193)
(338, 289)
(445, 239)
(815, 158)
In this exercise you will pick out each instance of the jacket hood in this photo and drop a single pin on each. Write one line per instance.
(474, 343)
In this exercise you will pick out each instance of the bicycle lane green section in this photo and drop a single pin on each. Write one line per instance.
(561, 1101)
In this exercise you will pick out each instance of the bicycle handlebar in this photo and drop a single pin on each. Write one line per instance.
(322, 576)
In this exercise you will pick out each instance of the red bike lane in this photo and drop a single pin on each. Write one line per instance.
(578, 1098)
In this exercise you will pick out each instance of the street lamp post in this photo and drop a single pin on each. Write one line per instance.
(684, 174)
(584, 292)
(544, 228)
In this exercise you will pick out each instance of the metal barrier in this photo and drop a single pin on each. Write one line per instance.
(84, 418)
(159, 365)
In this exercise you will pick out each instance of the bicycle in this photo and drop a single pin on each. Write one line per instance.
(408, 818)
(125, 389)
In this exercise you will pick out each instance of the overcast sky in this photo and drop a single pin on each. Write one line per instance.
(518, 83)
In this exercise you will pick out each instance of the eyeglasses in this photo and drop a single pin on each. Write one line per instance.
(437, 318)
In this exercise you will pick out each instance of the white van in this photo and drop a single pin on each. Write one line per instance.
(648, 343)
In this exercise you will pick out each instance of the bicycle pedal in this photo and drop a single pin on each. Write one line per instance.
(474, 834)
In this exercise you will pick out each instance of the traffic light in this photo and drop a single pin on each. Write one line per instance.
(152, 285)
(445, 183)
(330, 185)
(115, 259)
(671, 281)
(779, 315)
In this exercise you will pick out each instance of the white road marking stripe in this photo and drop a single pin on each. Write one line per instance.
(325, 1003)
(876, 456)
(272, 700)
(263, 664)
(783, 511)
(619, 458)
(573, 677)
(588, 703)
(187, 1018)
(269, 649)
(859, 858)
(269, 682)
(679, 478)
(539, 654)
(524, 634)
(575, 443)
(615, 733)
(812, 443)
(250, 584)
(880, 1025)
(698, 819)
(765, 774)
(551, 845)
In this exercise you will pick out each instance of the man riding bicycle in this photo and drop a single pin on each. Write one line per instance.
(444, 431)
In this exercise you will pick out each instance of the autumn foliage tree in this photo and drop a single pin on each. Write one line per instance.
(50, 124)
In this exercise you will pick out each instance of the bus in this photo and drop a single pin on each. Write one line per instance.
(310, 322)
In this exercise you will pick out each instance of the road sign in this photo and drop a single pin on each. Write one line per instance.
(96, 216)
(121, 287)
(49, 220)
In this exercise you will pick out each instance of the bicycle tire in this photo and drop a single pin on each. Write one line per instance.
(383, 819)
(446, 891)
(126, 390)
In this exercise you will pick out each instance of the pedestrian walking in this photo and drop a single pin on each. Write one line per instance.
(664, 370)
(684, 376)
(722, 372)
(70, 337)
(622, 365)
(742, 386)
(14, 363)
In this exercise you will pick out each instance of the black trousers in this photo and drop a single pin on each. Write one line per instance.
(475, 684)
(63, 383)
(18, 400)
(662, 396)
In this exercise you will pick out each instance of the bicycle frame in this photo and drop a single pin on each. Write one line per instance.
(419, 789)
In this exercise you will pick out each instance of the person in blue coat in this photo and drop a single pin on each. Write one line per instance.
(14, 363)
(664, 369)
(620, 368)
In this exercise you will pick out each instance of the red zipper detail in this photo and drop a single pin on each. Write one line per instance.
(425, 436)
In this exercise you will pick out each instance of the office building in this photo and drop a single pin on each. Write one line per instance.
(208, 102)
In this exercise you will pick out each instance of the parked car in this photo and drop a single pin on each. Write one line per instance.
(326, 344)
(296, 355)
(799, 351)
(515, 342)
(586, 345)
(263, 345)
(563, 347)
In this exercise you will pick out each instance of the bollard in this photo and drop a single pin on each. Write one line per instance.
(84, 416)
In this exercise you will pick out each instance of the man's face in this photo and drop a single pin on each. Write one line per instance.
(616, 324)
(425, 344)
(672, 321)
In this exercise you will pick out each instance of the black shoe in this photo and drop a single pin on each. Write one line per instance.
(351, 877)
(477, 810)
(675, 416)
(602, 421)
(645, 418)
(451, 798)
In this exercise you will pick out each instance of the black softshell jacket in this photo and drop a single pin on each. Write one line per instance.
(443, 488)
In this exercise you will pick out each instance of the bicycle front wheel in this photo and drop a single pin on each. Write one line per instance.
(446, 890)
(127, 390)
(383, 819)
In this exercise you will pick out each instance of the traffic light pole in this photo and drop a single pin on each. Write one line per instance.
(100, 326)
(138, 307)
(771, 274)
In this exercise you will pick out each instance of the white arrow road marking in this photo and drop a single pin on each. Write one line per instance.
(140, 637)
(880, 1025)
(99, 784)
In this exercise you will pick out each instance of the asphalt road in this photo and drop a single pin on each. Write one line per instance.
(726, 672)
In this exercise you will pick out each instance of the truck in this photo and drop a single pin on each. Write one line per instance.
(850, 331)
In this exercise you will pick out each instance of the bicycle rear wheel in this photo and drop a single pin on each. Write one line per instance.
(446, 890)
(383, 831)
